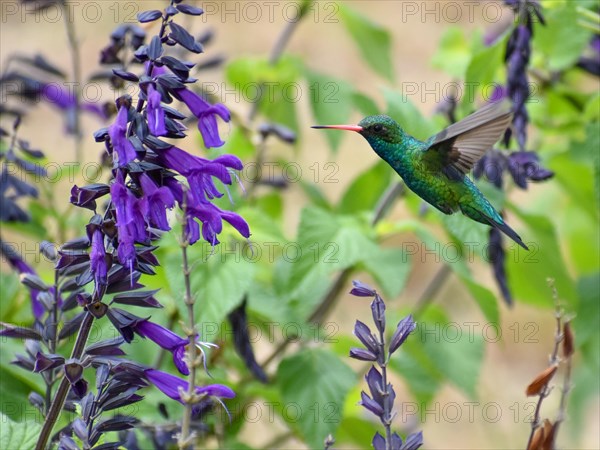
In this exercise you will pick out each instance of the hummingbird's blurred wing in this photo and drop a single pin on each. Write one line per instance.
(461, 145)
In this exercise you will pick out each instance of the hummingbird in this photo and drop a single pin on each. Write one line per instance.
(436, 169)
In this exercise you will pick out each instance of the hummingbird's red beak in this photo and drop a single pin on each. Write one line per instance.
(356, 128)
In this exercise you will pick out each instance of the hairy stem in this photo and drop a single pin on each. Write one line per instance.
(76, 71)
(63, 388)
(192, 354)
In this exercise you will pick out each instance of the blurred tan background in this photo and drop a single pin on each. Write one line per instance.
(322, 42)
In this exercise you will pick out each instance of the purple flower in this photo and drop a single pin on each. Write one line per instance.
(98, 258)
(492, 165)
(120, 144)
(525, 166)
(362, 290)
(131, 213)
(404, 328)
(158, 199)
(170, 386)
(497, 258)
(155, 112)
(206, 114)
(166, 339)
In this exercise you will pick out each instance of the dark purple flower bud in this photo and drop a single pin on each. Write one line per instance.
(362, 355)
(362, 290)
(47, 361)
(378, 311)
(206, 114)
(396, 443)
(120, 144)
(80, 429)
(371, 405)
(13, 331)
(166, 339)
(497, 258)
(413, 441)
(404, 328)
(364, 334)
(155, 113)
(375, 383)
(491, 165)
(378, 442)
(80, 388)
(108, 347)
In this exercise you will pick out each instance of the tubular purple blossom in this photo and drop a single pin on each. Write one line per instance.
(206, 114)
(155, 112)
(170, 385)
(120, 144)
(166, 339)
(159, 199)
(98, 258)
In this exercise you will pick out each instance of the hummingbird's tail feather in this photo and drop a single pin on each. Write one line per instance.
(498, 223)
(509, 232)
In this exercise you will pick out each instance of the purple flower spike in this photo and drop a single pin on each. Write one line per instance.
(155, 112)
(170, 384)
(206, 114)
(362, 290)
(120, 144)
(166, 339)
(404, 328)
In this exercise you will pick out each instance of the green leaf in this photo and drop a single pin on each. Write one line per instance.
(365, 191)
(331, 102)
(482, 69)
(400, 108)
(528, 270)
(313, 385)
(373, 41)
(390, 267)
(315, 195)
(18, 435)
(327, 242)
(454, 53)
(219, 280)
(562, 40)
(458, 355)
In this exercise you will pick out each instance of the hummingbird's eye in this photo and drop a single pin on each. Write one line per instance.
(377, 128)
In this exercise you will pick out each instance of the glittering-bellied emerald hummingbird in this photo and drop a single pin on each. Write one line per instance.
(436, 169)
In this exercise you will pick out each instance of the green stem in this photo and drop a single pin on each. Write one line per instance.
(63, 388)
(192, 354)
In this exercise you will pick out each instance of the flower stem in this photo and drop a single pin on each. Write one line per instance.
(76, 69)
(63, 388)
(387, 408)
(192, 354)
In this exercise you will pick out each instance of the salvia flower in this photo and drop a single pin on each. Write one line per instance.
(173, 386)
(206, 114)
(166, 339)
(123, 147)
(155, 112)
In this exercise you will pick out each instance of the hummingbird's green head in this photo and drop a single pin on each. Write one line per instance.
(381, 132)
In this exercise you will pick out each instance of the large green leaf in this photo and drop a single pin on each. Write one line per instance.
(313, 385)
(366, 189)
(326, 243)
(482, 69)
(373, 41)
(331, 102)
(18, 435)
(563, 39)
(528, 271)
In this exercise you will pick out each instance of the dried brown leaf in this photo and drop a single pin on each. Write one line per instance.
(540, 382)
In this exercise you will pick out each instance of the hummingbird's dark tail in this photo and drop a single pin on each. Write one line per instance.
(479, 216)
(509, 232)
